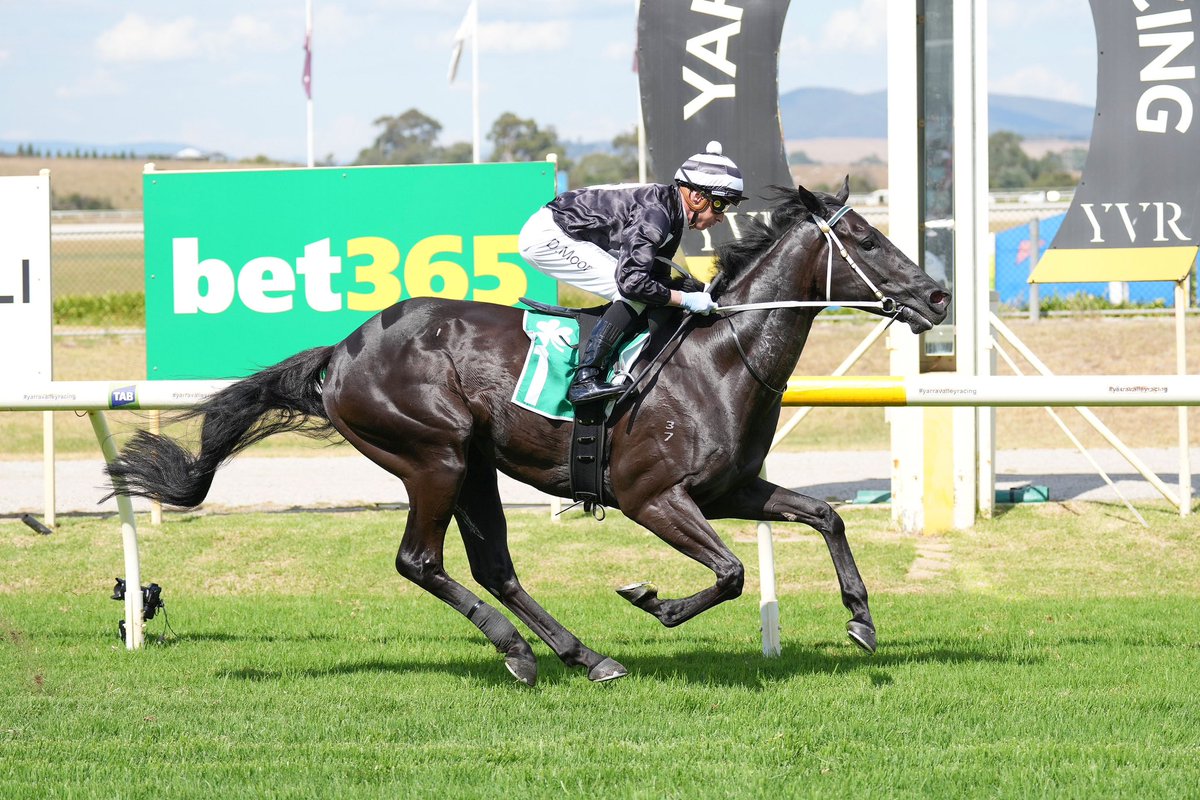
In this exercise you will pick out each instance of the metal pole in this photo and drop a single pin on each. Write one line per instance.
(308, 29)
(476, 147)
(49, 487)
(1091, 418)
(1035, 251)
(641, 119)
(1058, 420)
(1185, 460)
(842, 369)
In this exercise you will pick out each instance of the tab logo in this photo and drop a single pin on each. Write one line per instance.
(124, 396)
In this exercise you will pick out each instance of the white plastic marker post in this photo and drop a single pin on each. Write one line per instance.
(134, 625)
(768, 603)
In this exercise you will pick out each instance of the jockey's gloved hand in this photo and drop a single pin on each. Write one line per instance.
(698, 302)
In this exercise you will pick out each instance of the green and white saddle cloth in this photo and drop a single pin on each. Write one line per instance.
(550, 364)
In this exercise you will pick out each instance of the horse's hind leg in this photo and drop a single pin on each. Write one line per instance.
(484, 531)
(431, 494)
(762, 500)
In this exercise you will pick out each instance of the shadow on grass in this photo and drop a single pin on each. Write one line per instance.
(490, 672)
(716, 666)
(260, 638)
(738, 668)
(466, 638)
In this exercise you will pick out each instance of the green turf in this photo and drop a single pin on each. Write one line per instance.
(1053, 654)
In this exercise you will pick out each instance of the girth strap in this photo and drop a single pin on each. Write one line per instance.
(588, 457)
(588, 454)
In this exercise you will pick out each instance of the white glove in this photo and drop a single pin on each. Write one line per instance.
(698, 302)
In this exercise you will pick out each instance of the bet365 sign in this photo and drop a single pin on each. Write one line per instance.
(244, 268)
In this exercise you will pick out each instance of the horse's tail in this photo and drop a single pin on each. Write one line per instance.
(285, 397)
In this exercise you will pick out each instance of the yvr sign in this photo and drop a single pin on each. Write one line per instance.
(244, 268)
(1135, 215)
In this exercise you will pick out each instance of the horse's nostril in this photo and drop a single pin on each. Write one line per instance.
(939, 298)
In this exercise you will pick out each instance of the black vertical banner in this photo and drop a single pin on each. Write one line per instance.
(709, 69)
(1136, 212)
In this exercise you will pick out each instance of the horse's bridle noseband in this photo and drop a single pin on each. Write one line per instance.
(887, 305)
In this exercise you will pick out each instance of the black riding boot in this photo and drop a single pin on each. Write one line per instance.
(597, 356)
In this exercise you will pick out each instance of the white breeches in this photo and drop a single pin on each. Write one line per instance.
(544, 245)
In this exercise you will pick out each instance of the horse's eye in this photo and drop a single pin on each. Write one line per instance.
(867, 243)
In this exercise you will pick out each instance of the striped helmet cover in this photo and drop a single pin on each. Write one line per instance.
(712, 172)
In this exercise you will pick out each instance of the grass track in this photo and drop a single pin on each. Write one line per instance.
(1054, 655)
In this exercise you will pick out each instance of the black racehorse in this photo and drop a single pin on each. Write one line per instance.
(424, 390)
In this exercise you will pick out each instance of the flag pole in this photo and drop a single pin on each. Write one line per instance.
(308, 76)
(641, 116)
(475, 141)
(469, 27)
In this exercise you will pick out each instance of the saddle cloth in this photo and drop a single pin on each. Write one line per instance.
(551, 360)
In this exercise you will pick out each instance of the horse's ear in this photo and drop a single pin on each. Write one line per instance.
(844, 193)
(810, 201)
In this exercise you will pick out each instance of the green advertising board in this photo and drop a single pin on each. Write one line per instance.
(247, 267)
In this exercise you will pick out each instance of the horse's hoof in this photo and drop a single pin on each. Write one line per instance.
(607, 670)
(522, 667)
(639, 593)
(862, 634)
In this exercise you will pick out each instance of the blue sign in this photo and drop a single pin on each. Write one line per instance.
(1013, 251)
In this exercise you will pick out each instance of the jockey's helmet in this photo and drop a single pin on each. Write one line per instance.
(712, 173)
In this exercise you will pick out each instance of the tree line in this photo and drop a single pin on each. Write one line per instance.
(30, 151)
(412, 138)
(1010, 167)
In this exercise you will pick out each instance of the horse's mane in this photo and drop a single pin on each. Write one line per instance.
(758, 235)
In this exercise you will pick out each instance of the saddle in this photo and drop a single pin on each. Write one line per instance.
(589, 433)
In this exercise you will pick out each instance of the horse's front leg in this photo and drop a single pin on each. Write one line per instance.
(764, 501)
(675, 519)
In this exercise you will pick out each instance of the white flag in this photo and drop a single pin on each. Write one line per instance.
(466, 29)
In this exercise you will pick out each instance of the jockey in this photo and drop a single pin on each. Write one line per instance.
(617, 241)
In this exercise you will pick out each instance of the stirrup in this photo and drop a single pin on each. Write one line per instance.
(591, 391)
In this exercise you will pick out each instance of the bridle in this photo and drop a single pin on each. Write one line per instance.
(887, 305)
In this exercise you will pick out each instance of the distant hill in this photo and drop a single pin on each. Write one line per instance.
(817, 113)
(814, 113)
(1035, 118)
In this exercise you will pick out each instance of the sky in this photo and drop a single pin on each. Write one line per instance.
(225, 75)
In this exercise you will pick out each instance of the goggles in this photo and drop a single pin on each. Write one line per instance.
(722, 204)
